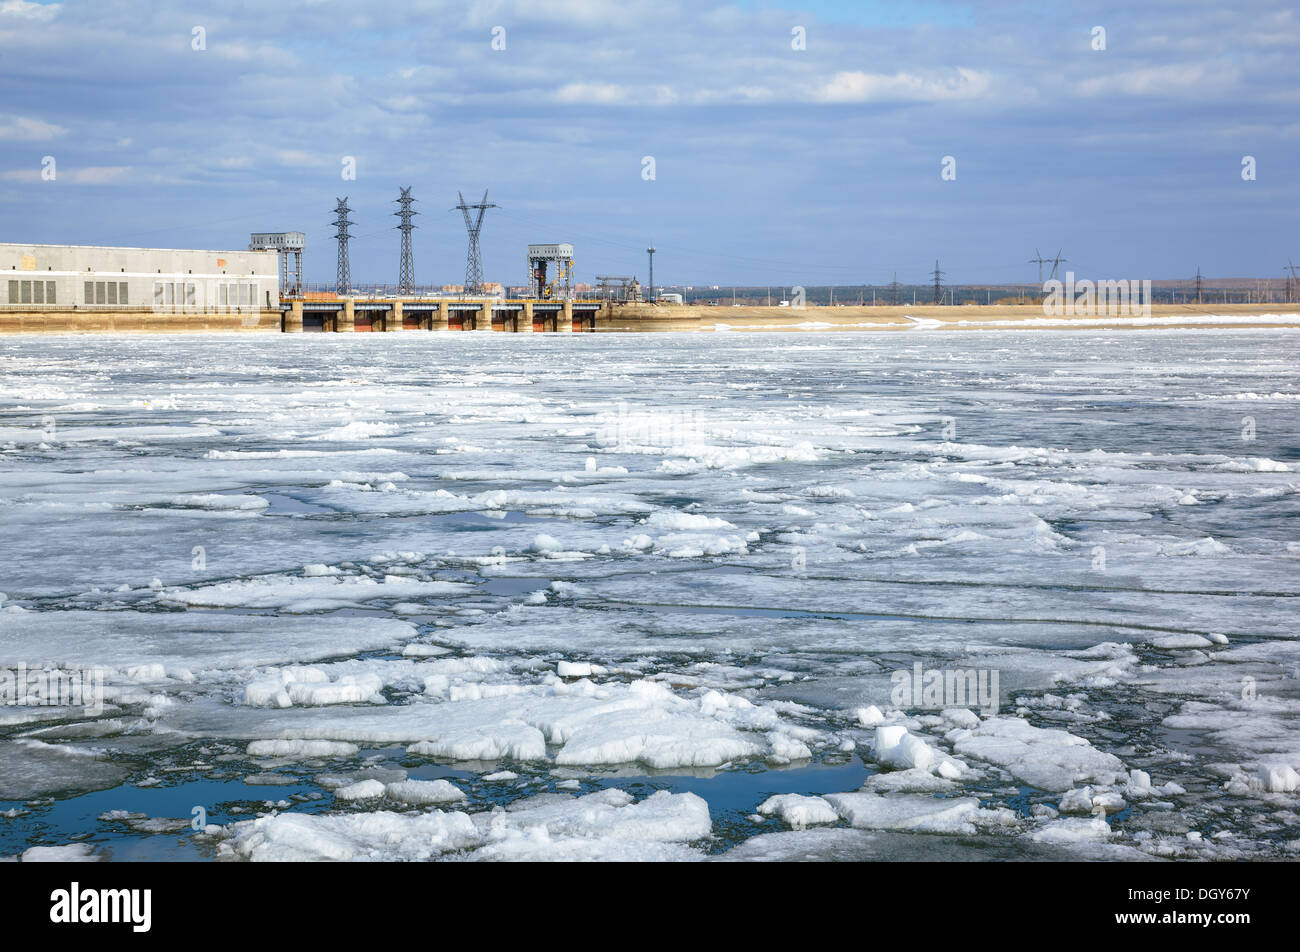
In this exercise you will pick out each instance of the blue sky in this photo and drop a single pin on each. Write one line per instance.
(772, 165)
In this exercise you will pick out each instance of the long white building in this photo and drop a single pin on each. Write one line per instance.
(162, 279)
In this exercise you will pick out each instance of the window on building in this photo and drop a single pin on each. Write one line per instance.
(112, 292)
(121, 292)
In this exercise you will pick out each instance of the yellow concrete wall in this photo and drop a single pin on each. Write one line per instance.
(130, 320)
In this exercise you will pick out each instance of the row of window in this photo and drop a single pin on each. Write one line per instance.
(31, 292)
(165, 293)
(185, 293)
(106, 292)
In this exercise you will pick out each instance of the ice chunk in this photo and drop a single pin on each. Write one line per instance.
(960, 717)
(424, 791)
(897, 747)
(512, 739)
(72, 853)
(577, 669)
(799, 811)
(913, 780)
(1050, 759)
(599, 825)
(786, 749)
(869, 716)
(1278, 778)
(301, 749)
(361, 790)
(1181, 642)
(1072, 830)
(920, 814)
(298, 837)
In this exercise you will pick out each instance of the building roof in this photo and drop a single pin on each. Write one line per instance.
(209, 251)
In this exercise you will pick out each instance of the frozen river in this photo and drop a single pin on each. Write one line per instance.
(652, 596)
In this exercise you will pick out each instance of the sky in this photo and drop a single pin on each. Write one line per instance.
(752, 143)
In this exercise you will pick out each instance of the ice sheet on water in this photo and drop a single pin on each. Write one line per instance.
(783, 522)
(30, 768)
(188, 642)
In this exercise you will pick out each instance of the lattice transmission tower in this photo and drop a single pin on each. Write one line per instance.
(1056, 263)
(1039, 260)
(474, 259)
(406, 267)
(938, 285)
(341, 224)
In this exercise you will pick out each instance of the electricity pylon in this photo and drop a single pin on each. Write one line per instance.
(474, 259)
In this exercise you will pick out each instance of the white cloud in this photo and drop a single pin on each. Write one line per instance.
(96, 175)
(23, 129)
(22, 10)
(300, 158)
(403, 103)
(1195, 80)
(859, 86)
(603, 93)
(90, 175)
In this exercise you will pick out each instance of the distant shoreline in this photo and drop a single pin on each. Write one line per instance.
(723, 319)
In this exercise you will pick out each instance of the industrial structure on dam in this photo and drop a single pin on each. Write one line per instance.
(80, 287)
(96, 289)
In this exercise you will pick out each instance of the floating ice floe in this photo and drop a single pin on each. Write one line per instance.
(609, 824)
(799, 811)
(301, 749)
(917, 813)
(73, 853)
(1047, 758)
